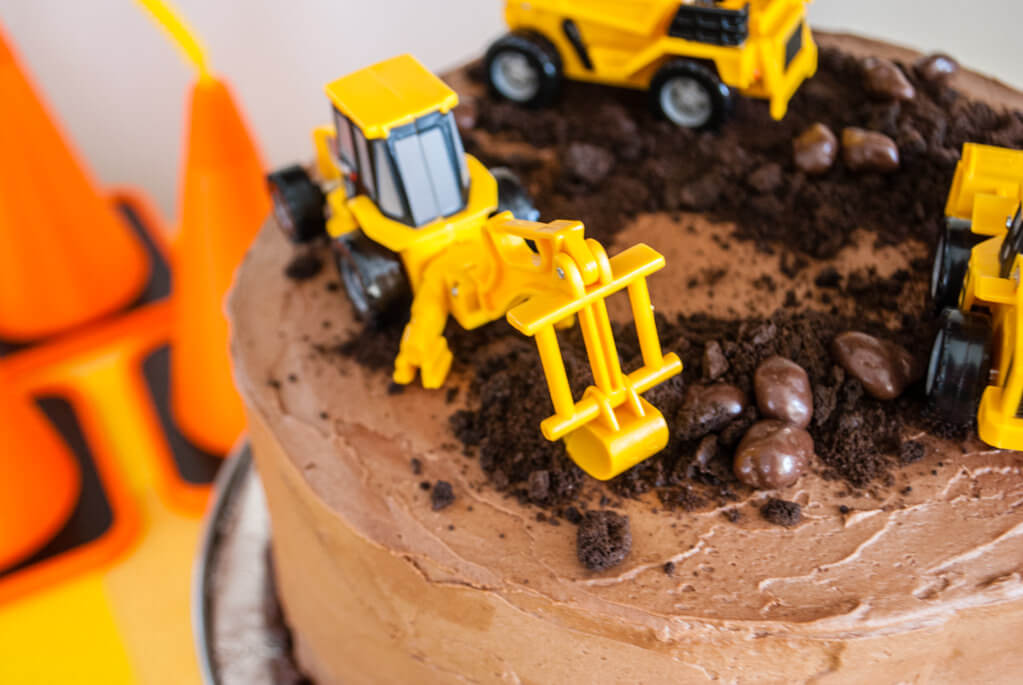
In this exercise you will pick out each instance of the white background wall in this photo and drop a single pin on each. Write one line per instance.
(119, 87)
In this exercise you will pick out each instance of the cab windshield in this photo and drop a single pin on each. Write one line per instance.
(418, 174)
(421, 171)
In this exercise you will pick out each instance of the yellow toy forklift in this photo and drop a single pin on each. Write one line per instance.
(689, 55)
(975, 283)
(410, 214)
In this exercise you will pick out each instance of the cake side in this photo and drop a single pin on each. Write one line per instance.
(341, 490)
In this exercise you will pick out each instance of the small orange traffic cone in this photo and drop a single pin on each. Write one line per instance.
(39, 480)
(224, 201)
(66, 256)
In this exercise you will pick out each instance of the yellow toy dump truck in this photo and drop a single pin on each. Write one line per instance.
(690, 56)
(975, 368)
(408, 212)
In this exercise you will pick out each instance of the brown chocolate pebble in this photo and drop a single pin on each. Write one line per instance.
(709, 408)
(603, 539)
(588, 163)
(783, 391)
(885, 80)
(864, 150)
(715, 364)
(815, 149)
(884, 368)
(772, 454)
(936, 68)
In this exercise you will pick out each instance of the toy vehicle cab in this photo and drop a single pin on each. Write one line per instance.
(418, 226)
(690, 56)
(974, 368)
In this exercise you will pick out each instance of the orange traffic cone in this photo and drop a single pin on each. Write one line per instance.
(66, 256)
(39, 481)
(224, 201)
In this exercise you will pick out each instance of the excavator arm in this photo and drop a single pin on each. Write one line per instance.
(611, 428)
(542, 276)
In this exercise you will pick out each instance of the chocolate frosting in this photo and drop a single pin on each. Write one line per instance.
(917, 581)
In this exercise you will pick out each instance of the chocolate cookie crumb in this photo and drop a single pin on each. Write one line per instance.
(911, 451)
(733, 515)
(669, 567)
(303, 266)
(442, 496)
(828, 278)
(603, 540)
(417, 466)
(572, 515)
(395, 388)
(781, 512)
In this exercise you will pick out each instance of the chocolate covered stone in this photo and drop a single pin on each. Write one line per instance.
(864, 150)
(885, 80)
(773, 454)
(815, 150)
(884, 368)
(936, 68)
(783, 391)
(709, 408)
(588, 163)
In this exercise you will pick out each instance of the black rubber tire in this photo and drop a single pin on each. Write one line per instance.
(960, 364)
(373, 277)
(298, 204)
(720, 96)
(512, 196)
(542, 57)
(1012, 244)
(951, 261)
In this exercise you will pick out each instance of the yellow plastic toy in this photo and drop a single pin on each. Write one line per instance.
(688, 55)
(976, 279)
(410, 214)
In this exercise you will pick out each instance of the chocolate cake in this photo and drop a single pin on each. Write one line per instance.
(435, 536)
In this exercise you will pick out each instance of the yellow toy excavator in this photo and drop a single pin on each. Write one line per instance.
(975, 282)
(408, 212)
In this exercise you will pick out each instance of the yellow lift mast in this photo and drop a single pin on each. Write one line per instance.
(412, 217)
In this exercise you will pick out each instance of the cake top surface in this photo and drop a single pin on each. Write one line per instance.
(900, 549)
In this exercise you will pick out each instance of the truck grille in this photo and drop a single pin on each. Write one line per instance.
(794, 45)
(711, 25)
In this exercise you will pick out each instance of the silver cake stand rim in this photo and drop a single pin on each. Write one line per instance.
(236, 480)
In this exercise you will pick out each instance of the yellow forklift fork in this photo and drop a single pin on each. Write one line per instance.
(611, 428)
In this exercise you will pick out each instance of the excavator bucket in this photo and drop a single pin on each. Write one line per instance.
(611, 428)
